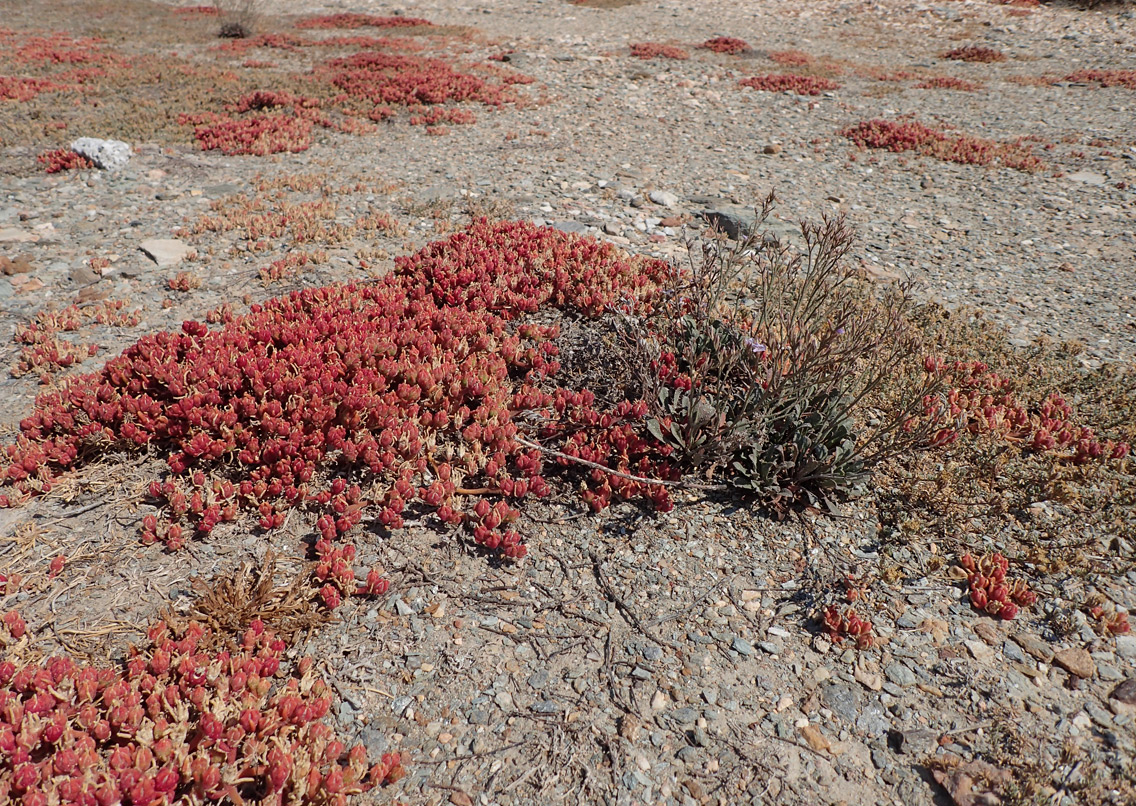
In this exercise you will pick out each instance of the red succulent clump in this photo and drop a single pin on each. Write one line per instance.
(351, 20)
(1108, 619)
(802, 85)
(911, 135)
(725, 44)
(16, 88)
(948, 83)
(1105, 78)
(840, 624)
(981, 401)
(990, 589)
(258, 135)
(656, 50)
(975, 53)
(64, 159)
(790, 58)
(177, 722)
(352, 398)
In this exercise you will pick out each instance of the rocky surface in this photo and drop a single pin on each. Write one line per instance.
(663, 659)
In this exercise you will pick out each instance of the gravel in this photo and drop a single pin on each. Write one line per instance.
(531, 684)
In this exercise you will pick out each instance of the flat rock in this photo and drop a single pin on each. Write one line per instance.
(110, 155)
(900, 674)
(1033, 645)
(166, 251)
(988, 633)
(663, 197)
(979, 651)
(1126, 646)
(734, 222)
(1076, 661)
(1087, 177)
(919, 742)
(13, 235)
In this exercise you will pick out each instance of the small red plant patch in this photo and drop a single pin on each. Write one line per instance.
(176, 723)
(63, 159)
(14, 88)
(725, 44)
(974, 53)
(847, 623)
(948, 83)
(911, 135)
(983, 402)
(801, 85)
(656, 50)
(408, 387)
(990, 589)
(258, 135)
(204, 11)
(1104, 78)
(349, 20)
(790, 58)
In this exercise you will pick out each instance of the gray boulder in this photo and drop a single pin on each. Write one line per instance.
(110, 155)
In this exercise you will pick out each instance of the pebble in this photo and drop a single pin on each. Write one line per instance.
(1126, 646)
(1035, 646)
(166, 252)
(1076, 661)
(900, 674)
(663, 197)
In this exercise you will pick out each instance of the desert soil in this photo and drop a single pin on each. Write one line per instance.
(635, 658)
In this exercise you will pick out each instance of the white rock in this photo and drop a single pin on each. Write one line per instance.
(1087, 177)
(663, 197)
(166, 251)
(110, 155)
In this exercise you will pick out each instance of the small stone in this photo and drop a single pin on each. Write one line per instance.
(771, 148)
(684, 716)
(743, 647)
(166, 252)
(663, 197)
(612, 227)
(1076, 661)
(1126, 646)
(1013, 652)
(733, 222)
(913, 742)
(979, 651)
(988, 633)
(570, 226)
(843, 700)
(900, 674)
(1122, 699)
(110, 155)
(817, 740)
(658, 701)
(504, 700)
(84, 275)
(460, 799)
(1087, 177)
(872, 681)
(1035, 646)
